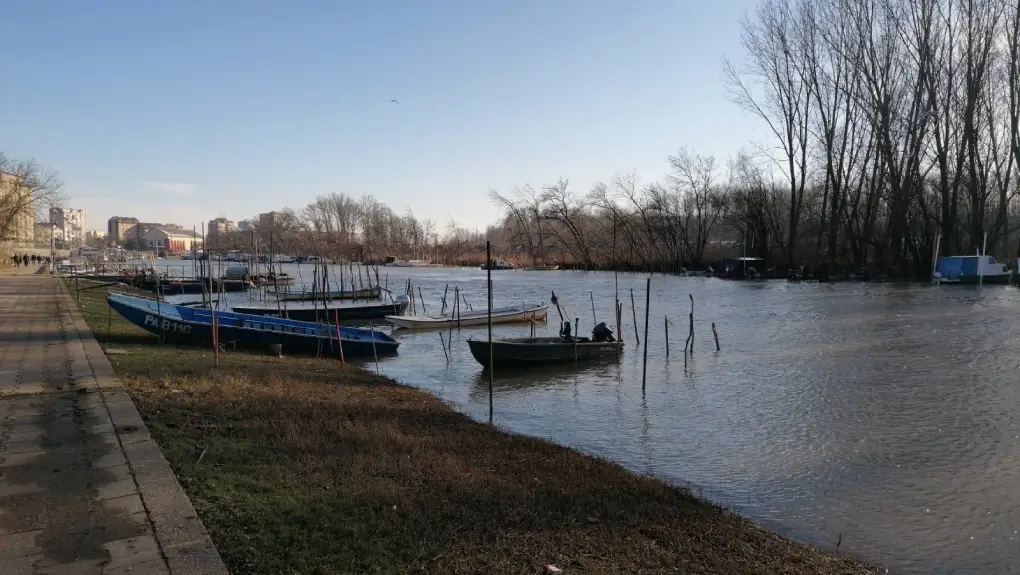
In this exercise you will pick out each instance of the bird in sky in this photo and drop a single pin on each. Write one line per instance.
(394, 101)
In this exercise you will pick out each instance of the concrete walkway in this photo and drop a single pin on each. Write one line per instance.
(83, 488)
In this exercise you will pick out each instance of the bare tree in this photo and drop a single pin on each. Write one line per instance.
(27, 191)
(702, 204)
(776, 68)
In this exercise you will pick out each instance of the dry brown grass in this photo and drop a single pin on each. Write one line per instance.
(305, 466)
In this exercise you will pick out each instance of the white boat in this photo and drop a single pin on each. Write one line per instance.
(971, 270)
(510, 314)
(410, 263)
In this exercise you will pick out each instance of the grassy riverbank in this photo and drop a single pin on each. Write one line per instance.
(300, 465)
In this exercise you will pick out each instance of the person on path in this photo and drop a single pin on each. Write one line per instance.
(17, 261)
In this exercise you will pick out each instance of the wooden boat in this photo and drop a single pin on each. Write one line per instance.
(497, 265)
(525, 351)
(194, 326)
(540, 268)
(329, 313)
(366, 293)
(190, 286)
(512, 314)
(273, 280)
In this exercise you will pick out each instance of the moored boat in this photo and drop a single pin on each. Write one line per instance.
(365, 293)
(195, 326)
(971, 270)
(330, 312)
(511, 314)
(525, 351)
(189, 286)
(497, 265)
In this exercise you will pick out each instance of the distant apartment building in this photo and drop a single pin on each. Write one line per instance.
(69, 226)
(43, 231)
(245, 225)
(169, 239)
(118, 229)
(17, 212)
(221, 226)
(95, 238)
(268, 219)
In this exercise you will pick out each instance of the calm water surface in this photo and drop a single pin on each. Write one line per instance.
(887, 414)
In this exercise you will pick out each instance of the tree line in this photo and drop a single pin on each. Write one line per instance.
(890, 121)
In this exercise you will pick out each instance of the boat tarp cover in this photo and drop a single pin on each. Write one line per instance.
(957, 266)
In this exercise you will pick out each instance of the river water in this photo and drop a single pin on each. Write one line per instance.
(886, 416)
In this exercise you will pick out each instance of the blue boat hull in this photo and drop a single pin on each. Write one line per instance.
(249, 333)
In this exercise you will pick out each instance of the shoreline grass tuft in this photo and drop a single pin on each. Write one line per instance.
(303, 465)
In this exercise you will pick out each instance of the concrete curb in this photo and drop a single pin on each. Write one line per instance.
(180, 534)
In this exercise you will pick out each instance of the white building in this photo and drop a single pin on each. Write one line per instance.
(70, 226)
(170, 239)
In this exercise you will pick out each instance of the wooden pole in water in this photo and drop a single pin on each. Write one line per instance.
(690, 334)
(644, 363)
(443, 310)
(315, 290)
(665, 320)
(619, 320)
(594, 320)
(633, 309)
(716, 335)
(453, 317)
(339, 342)
(488, 275)
(576, 321)
(443, 345)
(423, 310)
(375, 352)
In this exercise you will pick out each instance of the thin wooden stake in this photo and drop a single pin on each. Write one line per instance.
(716, 335)
(423, 310)
(594, 320)
(689, 344)
(339, 342)
(633, 309)
(453, 316)
(375, 352)
(648, 299)
(488, 273)
(619, 320)
(576, 321)
(665, 320)
(443, 345)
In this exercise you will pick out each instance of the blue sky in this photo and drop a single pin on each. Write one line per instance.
(180, 111)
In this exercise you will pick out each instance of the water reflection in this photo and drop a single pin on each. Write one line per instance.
(888, 414)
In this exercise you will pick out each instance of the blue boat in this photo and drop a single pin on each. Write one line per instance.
(971, 270)
(194, 326)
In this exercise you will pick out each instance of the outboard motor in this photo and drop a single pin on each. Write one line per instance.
(565, 330)
(602, 333)
(403, 300)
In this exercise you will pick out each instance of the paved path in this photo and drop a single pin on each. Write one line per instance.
(83, 488)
